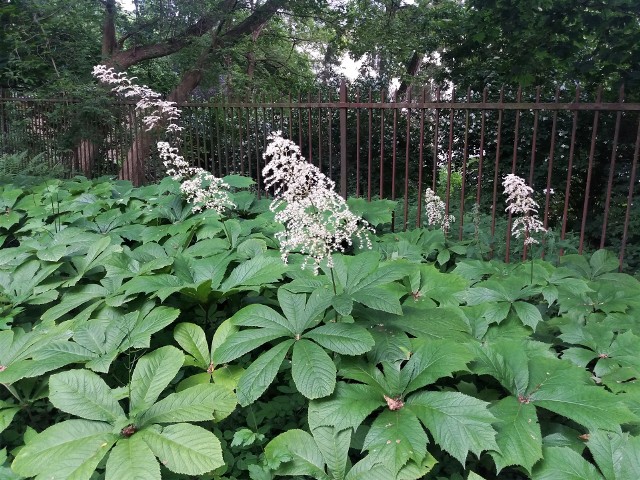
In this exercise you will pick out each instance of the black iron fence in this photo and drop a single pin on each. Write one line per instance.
(578, 151)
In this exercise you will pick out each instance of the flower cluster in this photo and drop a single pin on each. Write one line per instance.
(317, 220)
(436, 211)
(201, 188)
(520, 203)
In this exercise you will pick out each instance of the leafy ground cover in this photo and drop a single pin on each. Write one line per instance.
(139, 339)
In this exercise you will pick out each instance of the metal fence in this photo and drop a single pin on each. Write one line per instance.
(578, 151)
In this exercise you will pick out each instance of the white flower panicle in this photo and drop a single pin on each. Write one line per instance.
(525, 208)
(317, 220)
(201, 188)
(435, 209)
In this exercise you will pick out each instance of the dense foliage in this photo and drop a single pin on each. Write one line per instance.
(141, 339)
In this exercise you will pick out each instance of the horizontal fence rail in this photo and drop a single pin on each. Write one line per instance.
(579, 153)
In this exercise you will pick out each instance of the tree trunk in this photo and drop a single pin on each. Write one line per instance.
(109, 42)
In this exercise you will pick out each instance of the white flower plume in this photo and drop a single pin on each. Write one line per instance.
(523, 207)
(317, 220)
(201, 188)
(435, 209)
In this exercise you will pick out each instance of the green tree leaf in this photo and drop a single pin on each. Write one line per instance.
(244, 341)
(313, 371)
(301, 450)
(346, 408)
(184, 448)
(562, 463)
(344, 338)
(132, 458)
(260, 374)
(84, 394)
(458, 423)
(192, 339)
(71, 449)
(395, 437)
(616, 454)
(528, 314)
(195, 404)
(334, 445)
(152, 374)
(519, 438)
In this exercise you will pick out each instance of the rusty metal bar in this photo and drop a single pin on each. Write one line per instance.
(406, 163)
(370, 152)
(393, 159)
(632, 181)
(514, 161)
(343, 140)
(436, 122)
(612, 167)
(319, 135)
(330, 116)
(358, 144)
(552, 149)
(483, 118)
(449, 155)
(382, 98)
(465, 156)
(587, 190)
(496, 172)
(567, 191)
(309, 136)
(420, 162)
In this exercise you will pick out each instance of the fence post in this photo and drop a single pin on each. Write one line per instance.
(343, 139)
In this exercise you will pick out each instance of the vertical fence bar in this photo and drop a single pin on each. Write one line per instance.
(358, 144)
(514, 161)
(496, 169)
(343, 139)
(257, 148)
(552, 149)
(309, 135)
(370, 147)
(534, 138)
(382, 99)
(567, 191)
(632, 182)
(465, 156)
(587, 188)
(393, 157)
(406, 162)
(319, 132)
(330, 116)
(483, 117)
(435, 142)
(450, 154)
(420, 160)
(612, 167)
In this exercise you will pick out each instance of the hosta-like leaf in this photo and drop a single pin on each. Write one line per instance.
(184, 448)
(458, 423)
(344, 338)
(260, 374)
(301, 450)
(151, 376)
(519, 438)
(562, 463)
(66, 448)
(192, 339)
(195, 404)
(313, 371)
(334, 445)
(84, 394)
(346, 408)
(396, 437)
(132, 458)
(616, 454)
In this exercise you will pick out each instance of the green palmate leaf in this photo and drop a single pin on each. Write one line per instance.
(396, 437)
(263, 317)
(7, 412)
(195, 404)
(302, 454)
(260, 374)
(346, 408)
(184, 448)
(616, 454)
(132, 458)
(528, 314)
(562, 463)
(344, 338)
(192, 339)
(519, 438)
(434, 359)
(151, 376)
(73, 299)
(84, 394)
(313, 371)
(367, 469)
(458, 423)
(161, 285)
(237, 344)
(71, 449)
(334, 446)
(148, 323)
(255, 272)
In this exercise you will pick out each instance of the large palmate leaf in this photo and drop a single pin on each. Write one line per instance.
(349, 405)
(132, 458)
(296, 453)
(71, 449)
(84, 394)
(344, 338)
(7, 412)
(152, 374)
(519, 438)
(334, 446)
(616, 454)
(458, 423)
(562, 463)
(314, 373)
(184, 448)
(395, 437)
